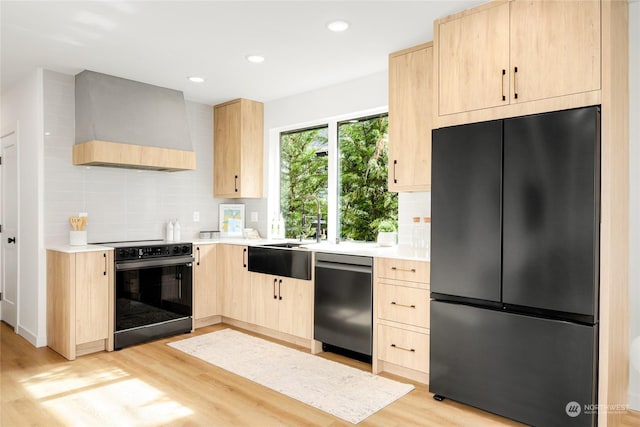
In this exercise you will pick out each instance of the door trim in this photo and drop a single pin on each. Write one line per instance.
(6, 132)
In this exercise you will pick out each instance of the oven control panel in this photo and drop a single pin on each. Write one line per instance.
(152, 251)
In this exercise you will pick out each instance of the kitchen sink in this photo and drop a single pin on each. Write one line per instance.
(281, 259)
(286, 245)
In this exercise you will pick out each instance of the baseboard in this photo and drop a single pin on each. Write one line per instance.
(292, 339)
(634, 401)
(206, 321)
(411, 374)
(33, 339)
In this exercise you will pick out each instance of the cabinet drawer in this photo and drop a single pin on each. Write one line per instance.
(404, 305)
(405, 348)
(401, 269)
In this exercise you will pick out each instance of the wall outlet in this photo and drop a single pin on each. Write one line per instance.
(196, 217)
(254, 217)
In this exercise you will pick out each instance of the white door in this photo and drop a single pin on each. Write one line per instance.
(9, 229)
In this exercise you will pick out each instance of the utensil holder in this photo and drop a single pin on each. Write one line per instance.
(77, 238)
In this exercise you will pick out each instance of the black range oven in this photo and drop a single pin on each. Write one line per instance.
(153, 291)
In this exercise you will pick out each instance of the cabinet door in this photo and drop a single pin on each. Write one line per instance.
(204, 282)
(555, 46)
(226, 150)
(92, 296)
(252, 141)
(264, 300)
(234, 281)
(410, 119)
(473, 51)
(296, 307)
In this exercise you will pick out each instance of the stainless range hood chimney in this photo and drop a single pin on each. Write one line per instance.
(128, 124)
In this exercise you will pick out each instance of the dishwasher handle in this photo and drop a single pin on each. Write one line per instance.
(344, 267)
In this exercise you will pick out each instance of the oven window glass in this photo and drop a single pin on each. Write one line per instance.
(152, 295)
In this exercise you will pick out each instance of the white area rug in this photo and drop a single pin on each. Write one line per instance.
(343, 391)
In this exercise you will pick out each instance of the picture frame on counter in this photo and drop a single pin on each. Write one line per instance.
(231, 220)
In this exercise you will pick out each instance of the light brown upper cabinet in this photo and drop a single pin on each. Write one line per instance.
(509, 58)
(238, 136)
(410, 118)
(473, 52)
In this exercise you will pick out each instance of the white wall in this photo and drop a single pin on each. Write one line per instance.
(634, 201)
(22, 105)
(122, 204)
(356, 95)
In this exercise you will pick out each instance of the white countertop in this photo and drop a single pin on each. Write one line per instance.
(352, 248)
(72, 249)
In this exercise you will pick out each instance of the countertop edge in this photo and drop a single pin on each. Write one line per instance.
(71, 249)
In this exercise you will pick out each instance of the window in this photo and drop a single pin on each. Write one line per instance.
(363, 197)
(339, 168)
(303, 180)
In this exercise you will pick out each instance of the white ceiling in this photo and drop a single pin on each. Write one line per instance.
(164, 42)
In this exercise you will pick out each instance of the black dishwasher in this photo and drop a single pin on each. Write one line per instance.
(343, 316)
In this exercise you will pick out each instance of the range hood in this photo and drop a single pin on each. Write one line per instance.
(128, 124)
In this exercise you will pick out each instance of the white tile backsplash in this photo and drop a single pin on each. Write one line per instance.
(410, 205)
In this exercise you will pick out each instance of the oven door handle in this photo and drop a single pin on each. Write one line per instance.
(147, 263)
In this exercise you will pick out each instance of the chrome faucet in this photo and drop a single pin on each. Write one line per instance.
(318, 219)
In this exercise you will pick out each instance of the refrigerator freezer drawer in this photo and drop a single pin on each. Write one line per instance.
(525, 368)
(404, 348)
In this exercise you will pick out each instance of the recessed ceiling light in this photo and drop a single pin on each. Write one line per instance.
(256, 59)
(338, 26)
(196, 79)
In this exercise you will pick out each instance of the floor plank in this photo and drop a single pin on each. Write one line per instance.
(155, 385)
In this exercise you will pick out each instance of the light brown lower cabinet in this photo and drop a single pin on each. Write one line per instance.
(80, 294)
(404, 348)
(206, 306)
(233, 281)
(401, 318)
(282, 304)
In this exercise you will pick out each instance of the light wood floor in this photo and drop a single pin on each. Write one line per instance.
(155, 385)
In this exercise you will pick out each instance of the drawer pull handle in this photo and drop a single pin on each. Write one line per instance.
(403, 305)
(413, 350)
(412, 270)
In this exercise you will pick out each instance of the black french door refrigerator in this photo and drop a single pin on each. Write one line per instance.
(515, 266)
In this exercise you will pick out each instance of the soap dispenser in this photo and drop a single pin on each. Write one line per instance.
(176, 231)
(169, 235)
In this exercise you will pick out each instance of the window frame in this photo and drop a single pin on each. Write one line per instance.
(273, 169)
